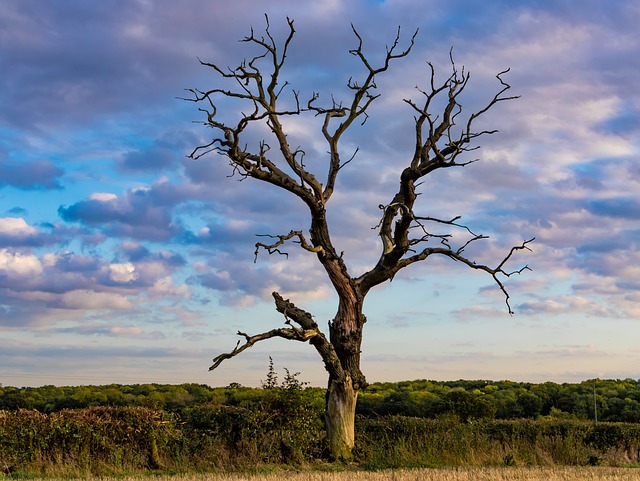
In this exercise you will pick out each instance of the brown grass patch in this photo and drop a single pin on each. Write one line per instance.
(436, 474)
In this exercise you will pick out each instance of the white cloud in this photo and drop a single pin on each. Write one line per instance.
(49, 259)
(103, 196)
(165, 287)
(123, 272)
(19, 265)
(16, 226)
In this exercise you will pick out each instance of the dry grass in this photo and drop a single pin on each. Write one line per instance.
(436, 474)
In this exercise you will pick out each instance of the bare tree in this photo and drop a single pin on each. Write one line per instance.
(441, 140)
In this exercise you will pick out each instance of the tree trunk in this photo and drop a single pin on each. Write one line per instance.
(345, 333)
(340, 418)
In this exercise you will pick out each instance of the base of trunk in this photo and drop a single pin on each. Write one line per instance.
(340, 419)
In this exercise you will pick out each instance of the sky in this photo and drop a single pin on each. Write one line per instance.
(124, 261)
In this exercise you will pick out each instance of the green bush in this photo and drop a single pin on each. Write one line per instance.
(83, 441)
(282, 426)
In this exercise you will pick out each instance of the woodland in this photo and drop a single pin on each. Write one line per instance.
(612, 400)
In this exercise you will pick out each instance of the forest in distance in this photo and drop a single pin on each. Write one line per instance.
(600, 399)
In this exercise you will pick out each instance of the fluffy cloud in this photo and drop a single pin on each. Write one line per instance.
(123, 273)
(15, 226)
(14, 231)
(14, 266)
(36, 289)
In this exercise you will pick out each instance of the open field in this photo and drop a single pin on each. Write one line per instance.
(436, 474)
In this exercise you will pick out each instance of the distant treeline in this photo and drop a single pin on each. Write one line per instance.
(611, 400)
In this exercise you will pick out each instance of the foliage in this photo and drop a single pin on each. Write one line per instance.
(117, 440)
(83, 441)
(617, 400)
(241, 428)
(49, 398)
(117, 429)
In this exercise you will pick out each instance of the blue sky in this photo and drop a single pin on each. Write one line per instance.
(121, 260)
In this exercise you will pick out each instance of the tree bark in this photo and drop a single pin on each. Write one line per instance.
(342, 392)
(340, 418)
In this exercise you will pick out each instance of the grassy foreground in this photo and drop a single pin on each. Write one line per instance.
(436, 474)
(117, 441)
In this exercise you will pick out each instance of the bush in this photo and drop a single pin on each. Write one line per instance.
(283, 426)
(85, 441)
(287, 430)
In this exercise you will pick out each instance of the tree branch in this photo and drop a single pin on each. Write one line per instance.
(361, 101)
(308, 331)
(326, 350)
(437, 146)
(273, 248)
(263, 96)
(457, 256)
(286, 333)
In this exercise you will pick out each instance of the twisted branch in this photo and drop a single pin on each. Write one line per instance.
(273, 248)
(457, 256)
(308, 331)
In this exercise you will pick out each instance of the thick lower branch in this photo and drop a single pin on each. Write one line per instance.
(308, 331)
(290, 333)
(290, 311)
(319, 341)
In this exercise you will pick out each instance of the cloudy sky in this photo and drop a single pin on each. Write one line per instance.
(122, 260)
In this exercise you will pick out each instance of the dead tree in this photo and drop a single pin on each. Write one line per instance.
(441, 141)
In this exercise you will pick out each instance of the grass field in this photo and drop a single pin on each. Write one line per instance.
(436, 474)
